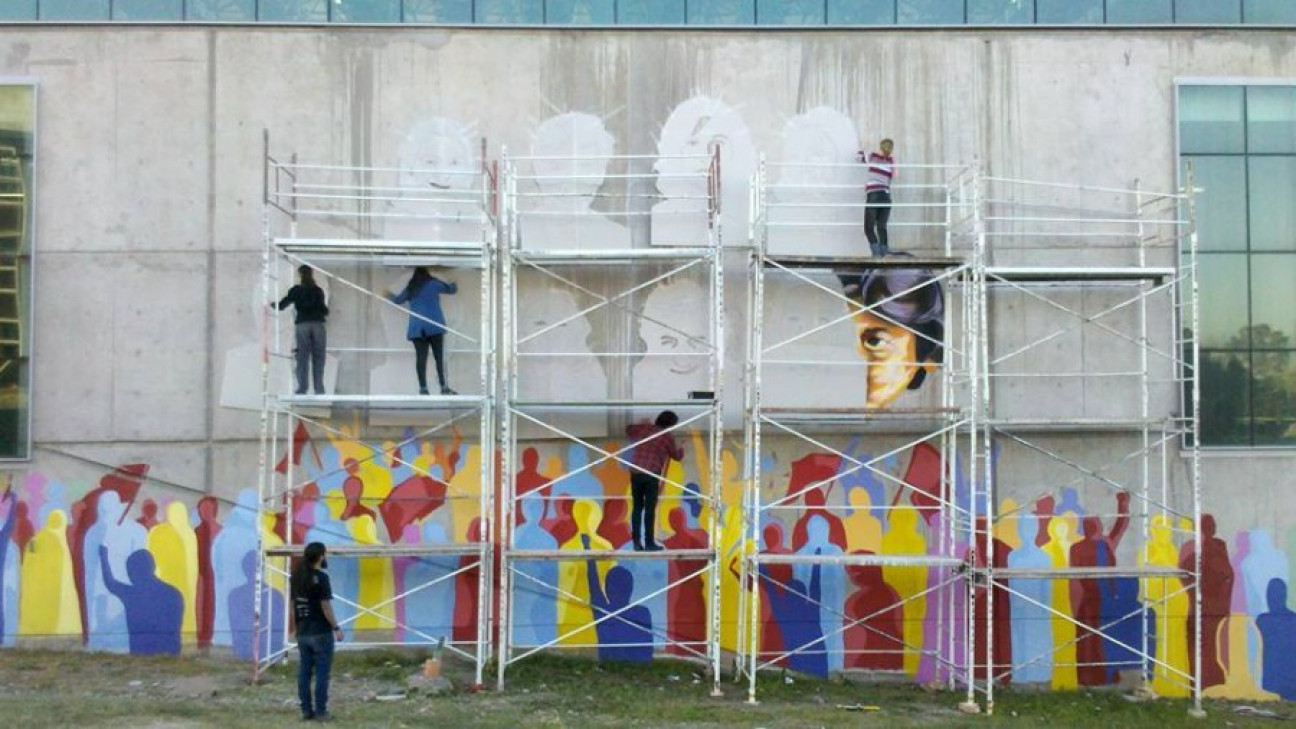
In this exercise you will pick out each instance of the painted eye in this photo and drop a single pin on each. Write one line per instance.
(872, 338)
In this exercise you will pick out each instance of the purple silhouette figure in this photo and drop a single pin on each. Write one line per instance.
(797, 614)
(154, 609)
(1278, 633)
(243, 620)
(627, 636)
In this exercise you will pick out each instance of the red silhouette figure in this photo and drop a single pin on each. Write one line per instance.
(206, 532)
(685, 602)
(23, 531)
(1044, 513)
(816, 468)
(924, 478)
(816, 501)
(411, 500)
(1088, 595)
(779, 576)
(529, 478)
(301, 437)
(561, 525)
(1002, 619)
(148, 514)
(1217, 592)
(353, 491)
(874, 636)
(614, 526)
(303, 514)
(466, 590)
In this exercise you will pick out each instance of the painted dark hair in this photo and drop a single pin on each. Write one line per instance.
(919, 305)
(667, 419)
(301, 572)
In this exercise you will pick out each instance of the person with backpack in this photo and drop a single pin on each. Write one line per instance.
(307, 299)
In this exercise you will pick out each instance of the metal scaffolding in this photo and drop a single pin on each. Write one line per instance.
(1092, 270)
(349, 224)
(558, 237)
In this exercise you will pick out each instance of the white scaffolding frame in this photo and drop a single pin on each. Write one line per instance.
(946, 206)
(698, 411)
(988, 219)
(1155, 235)
(299, 195)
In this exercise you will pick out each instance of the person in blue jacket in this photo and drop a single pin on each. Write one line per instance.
(426, 323)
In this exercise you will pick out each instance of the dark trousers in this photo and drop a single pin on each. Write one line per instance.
(311, 340)
(875, 221)
(421, 346)
(317, 658)
(643, 493)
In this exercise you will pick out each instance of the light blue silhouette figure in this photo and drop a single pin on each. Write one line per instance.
(122, 537)
(832, 588)
(535, 604)
(1032, 625)
(430, 610)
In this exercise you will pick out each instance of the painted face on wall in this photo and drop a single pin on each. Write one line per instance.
(891, 352)
(899, 331)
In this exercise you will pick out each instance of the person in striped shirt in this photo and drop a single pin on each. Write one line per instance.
(881, 170)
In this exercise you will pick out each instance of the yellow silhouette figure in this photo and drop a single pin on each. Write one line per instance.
(376, 581)
(671, 496)
(1006, 526)
(574, 612)
(1239, 672)
(274, 578)
(464, 493)
(863, 530)
(731, 555)
(174, 547)
(902, 537)
(1058, 548)
(47, 604)
(1169, 608)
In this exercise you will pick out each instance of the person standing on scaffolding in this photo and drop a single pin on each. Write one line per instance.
(426, 328)
(653, 451)
(308, 301)
(881, 170)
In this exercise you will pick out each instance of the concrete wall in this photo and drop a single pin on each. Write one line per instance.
(149, 191)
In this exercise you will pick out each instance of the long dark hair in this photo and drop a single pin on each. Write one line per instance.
(420, 277)
(307, 277)
(301, 572)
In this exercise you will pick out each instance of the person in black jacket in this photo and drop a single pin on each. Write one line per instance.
(307, 298)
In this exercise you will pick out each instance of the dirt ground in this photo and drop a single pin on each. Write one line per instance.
(60, 689)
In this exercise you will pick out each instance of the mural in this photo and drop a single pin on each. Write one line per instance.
(93, 574)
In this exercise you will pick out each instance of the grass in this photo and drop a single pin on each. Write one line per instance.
(49, 689)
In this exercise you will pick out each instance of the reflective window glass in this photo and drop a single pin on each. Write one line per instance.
(1140, 11)
(721, 12)
(230, 10)
(861, 12)
(294, 10)
(1222, 278)
(1210, 119)
(1222, 204)
(1268, 11)
(1000, 12)
(1273, 212)
(147, 10)
(1225, 399)
(510, 12)
(1069, 11)
(1208, 11)
(790, 12)
(580, 12)
(929, 12)
(1273, 396)
(650, 12)
(18, 10)
(367, 11)
(1273, 295)
(74, 10)
(17, 157)
(1271, 119)
(438, 11)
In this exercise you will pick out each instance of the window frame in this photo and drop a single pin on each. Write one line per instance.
(29, 317)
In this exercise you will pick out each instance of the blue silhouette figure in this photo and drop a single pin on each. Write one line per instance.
(580, 485)
(797, 614)
(430, 610)
(535, 605)
(650, 576)
(1278, 633)
(237, 537)
(55, 499)
(8, 570)
(628, 636)
(121, 537)
(1070, 502)
(154, 609)
(243, 620)
(832, 589)
(344, 573)
(1032, 625)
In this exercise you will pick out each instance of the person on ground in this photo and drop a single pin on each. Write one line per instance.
(317, 629)
(308, 302)
(654, 449)
(881, 171)
(426, 328)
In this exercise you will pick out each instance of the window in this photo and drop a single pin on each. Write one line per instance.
(1208, 11)
(861, 12)
(1269, 11)
(580, 12)
(18, 10)
(999, 12)
(367, 11)
(1240, 142)
(226, 10)
(510, 12)
(294, 10)
(790, 12)
(17, 150)
(1084, 12)
(438, 11)
(74, 9)
(1140, 11)
(721, 12)
(147, 10)
(650, 12)
(930, 12)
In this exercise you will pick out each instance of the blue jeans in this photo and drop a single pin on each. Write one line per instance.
(316, 657)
